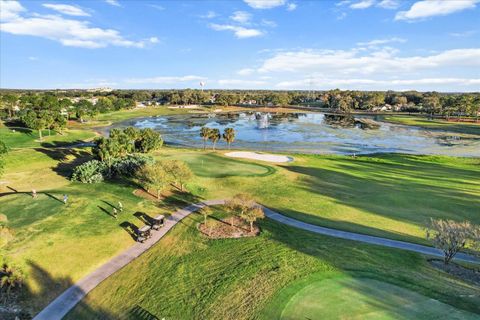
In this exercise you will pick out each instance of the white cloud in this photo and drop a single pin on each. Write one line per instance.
(241, 17)
(153, 40)
(240, 32)
(209, 15)
(389, 4)
(265, 4)
(245, 71)
(356, 62)
(269, 23)
(382, 41)
(364, 4)
(370, 84)
(68, 32)
(67, 9)
(429, 8)
(32, 58)
(291, 6)
(165, 79)
(157, 6)
(235, 83)
(10, 10)
(113, 3)
(343, 3)
(463, 34)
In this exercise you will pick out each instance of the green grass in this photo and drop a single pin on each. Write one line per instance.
(212, 165)
(389, 195)
(361, 298)
(106, 119)
(187, 276)
(436, 124)
(385, 195)
(19, 137)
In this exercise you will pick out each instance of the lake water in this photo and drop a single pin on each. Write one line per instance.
(309, 133)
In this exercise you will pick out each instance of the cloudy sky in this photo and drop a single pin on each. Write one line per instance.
(250, 44)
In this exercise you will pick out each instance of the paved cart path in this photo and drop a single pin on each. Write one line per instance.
(59, 307)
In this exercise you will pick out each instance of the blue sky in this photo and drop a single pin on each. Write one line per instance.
(250, 44)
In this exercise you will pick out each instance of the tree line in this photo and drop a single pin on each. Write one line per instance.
(81, 105)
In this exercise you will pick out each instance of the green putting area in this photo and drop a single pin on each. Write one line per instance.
(362, 298)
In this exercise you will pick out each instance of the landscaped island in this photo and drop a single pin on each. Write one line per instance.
(72, 200)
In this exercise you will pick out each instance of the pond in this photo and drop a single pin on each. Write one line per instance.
(311, 133)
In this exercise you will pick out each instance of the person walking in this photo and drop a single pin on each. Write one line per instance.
(115, 214)
(120, 206)
(65, 199)
(34, 193)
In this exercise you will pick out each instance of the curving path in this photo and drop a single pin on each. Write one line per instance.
(365, 238)
(59, 307)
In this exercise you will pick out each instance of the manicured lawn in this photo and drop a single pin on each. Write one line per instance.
(18, 137)
(437, 124)
(386, 195)
(389, 195)
(105, 119)
(187, 276)
(362, 298)
(213, 165)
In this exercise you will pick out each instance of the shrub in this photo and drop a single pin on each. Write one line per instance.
(95, 171)
(127, 166)
(90, 172)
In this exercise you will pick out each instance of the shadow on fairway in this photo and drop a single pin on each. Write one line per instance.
(404, 188)
(144, 218)
(106, 211)
(48, 287)
(130, 228)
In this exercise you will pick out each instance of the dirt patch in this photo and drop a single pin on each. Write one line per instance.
(466, 274)
(222, 229)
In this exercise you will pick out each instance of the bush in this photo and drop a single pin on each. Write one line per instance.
(95, 171)
(127, 166)
(90, 172)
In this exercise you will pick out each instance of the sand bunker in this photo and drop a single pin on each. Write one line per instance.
(259, 156)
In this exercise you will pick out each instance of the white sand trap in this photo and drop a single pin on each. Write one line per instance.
(259, 156)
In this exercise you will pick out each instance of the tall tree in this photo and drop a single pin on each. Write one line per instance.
(178, 171)
(153, 177)
(229, 136)
(205, 135)
(214, 136)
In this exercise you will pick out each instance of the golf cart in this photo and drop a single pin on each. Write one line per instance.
(158, 222)
(143, 233)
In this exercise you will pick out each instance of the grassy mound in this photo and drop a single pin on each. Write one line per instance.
(362, 298)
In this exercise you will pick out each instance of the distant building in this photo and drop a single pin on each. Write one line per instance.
(106, 89)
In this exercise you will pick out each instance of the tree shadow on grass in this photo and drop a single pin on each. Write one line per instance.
(32, 300)
(67, 159)
(392, 191)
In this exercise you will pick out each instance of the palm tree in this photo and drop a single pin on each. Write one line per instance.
(229, 136)
(214, 136)
(205, 134)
